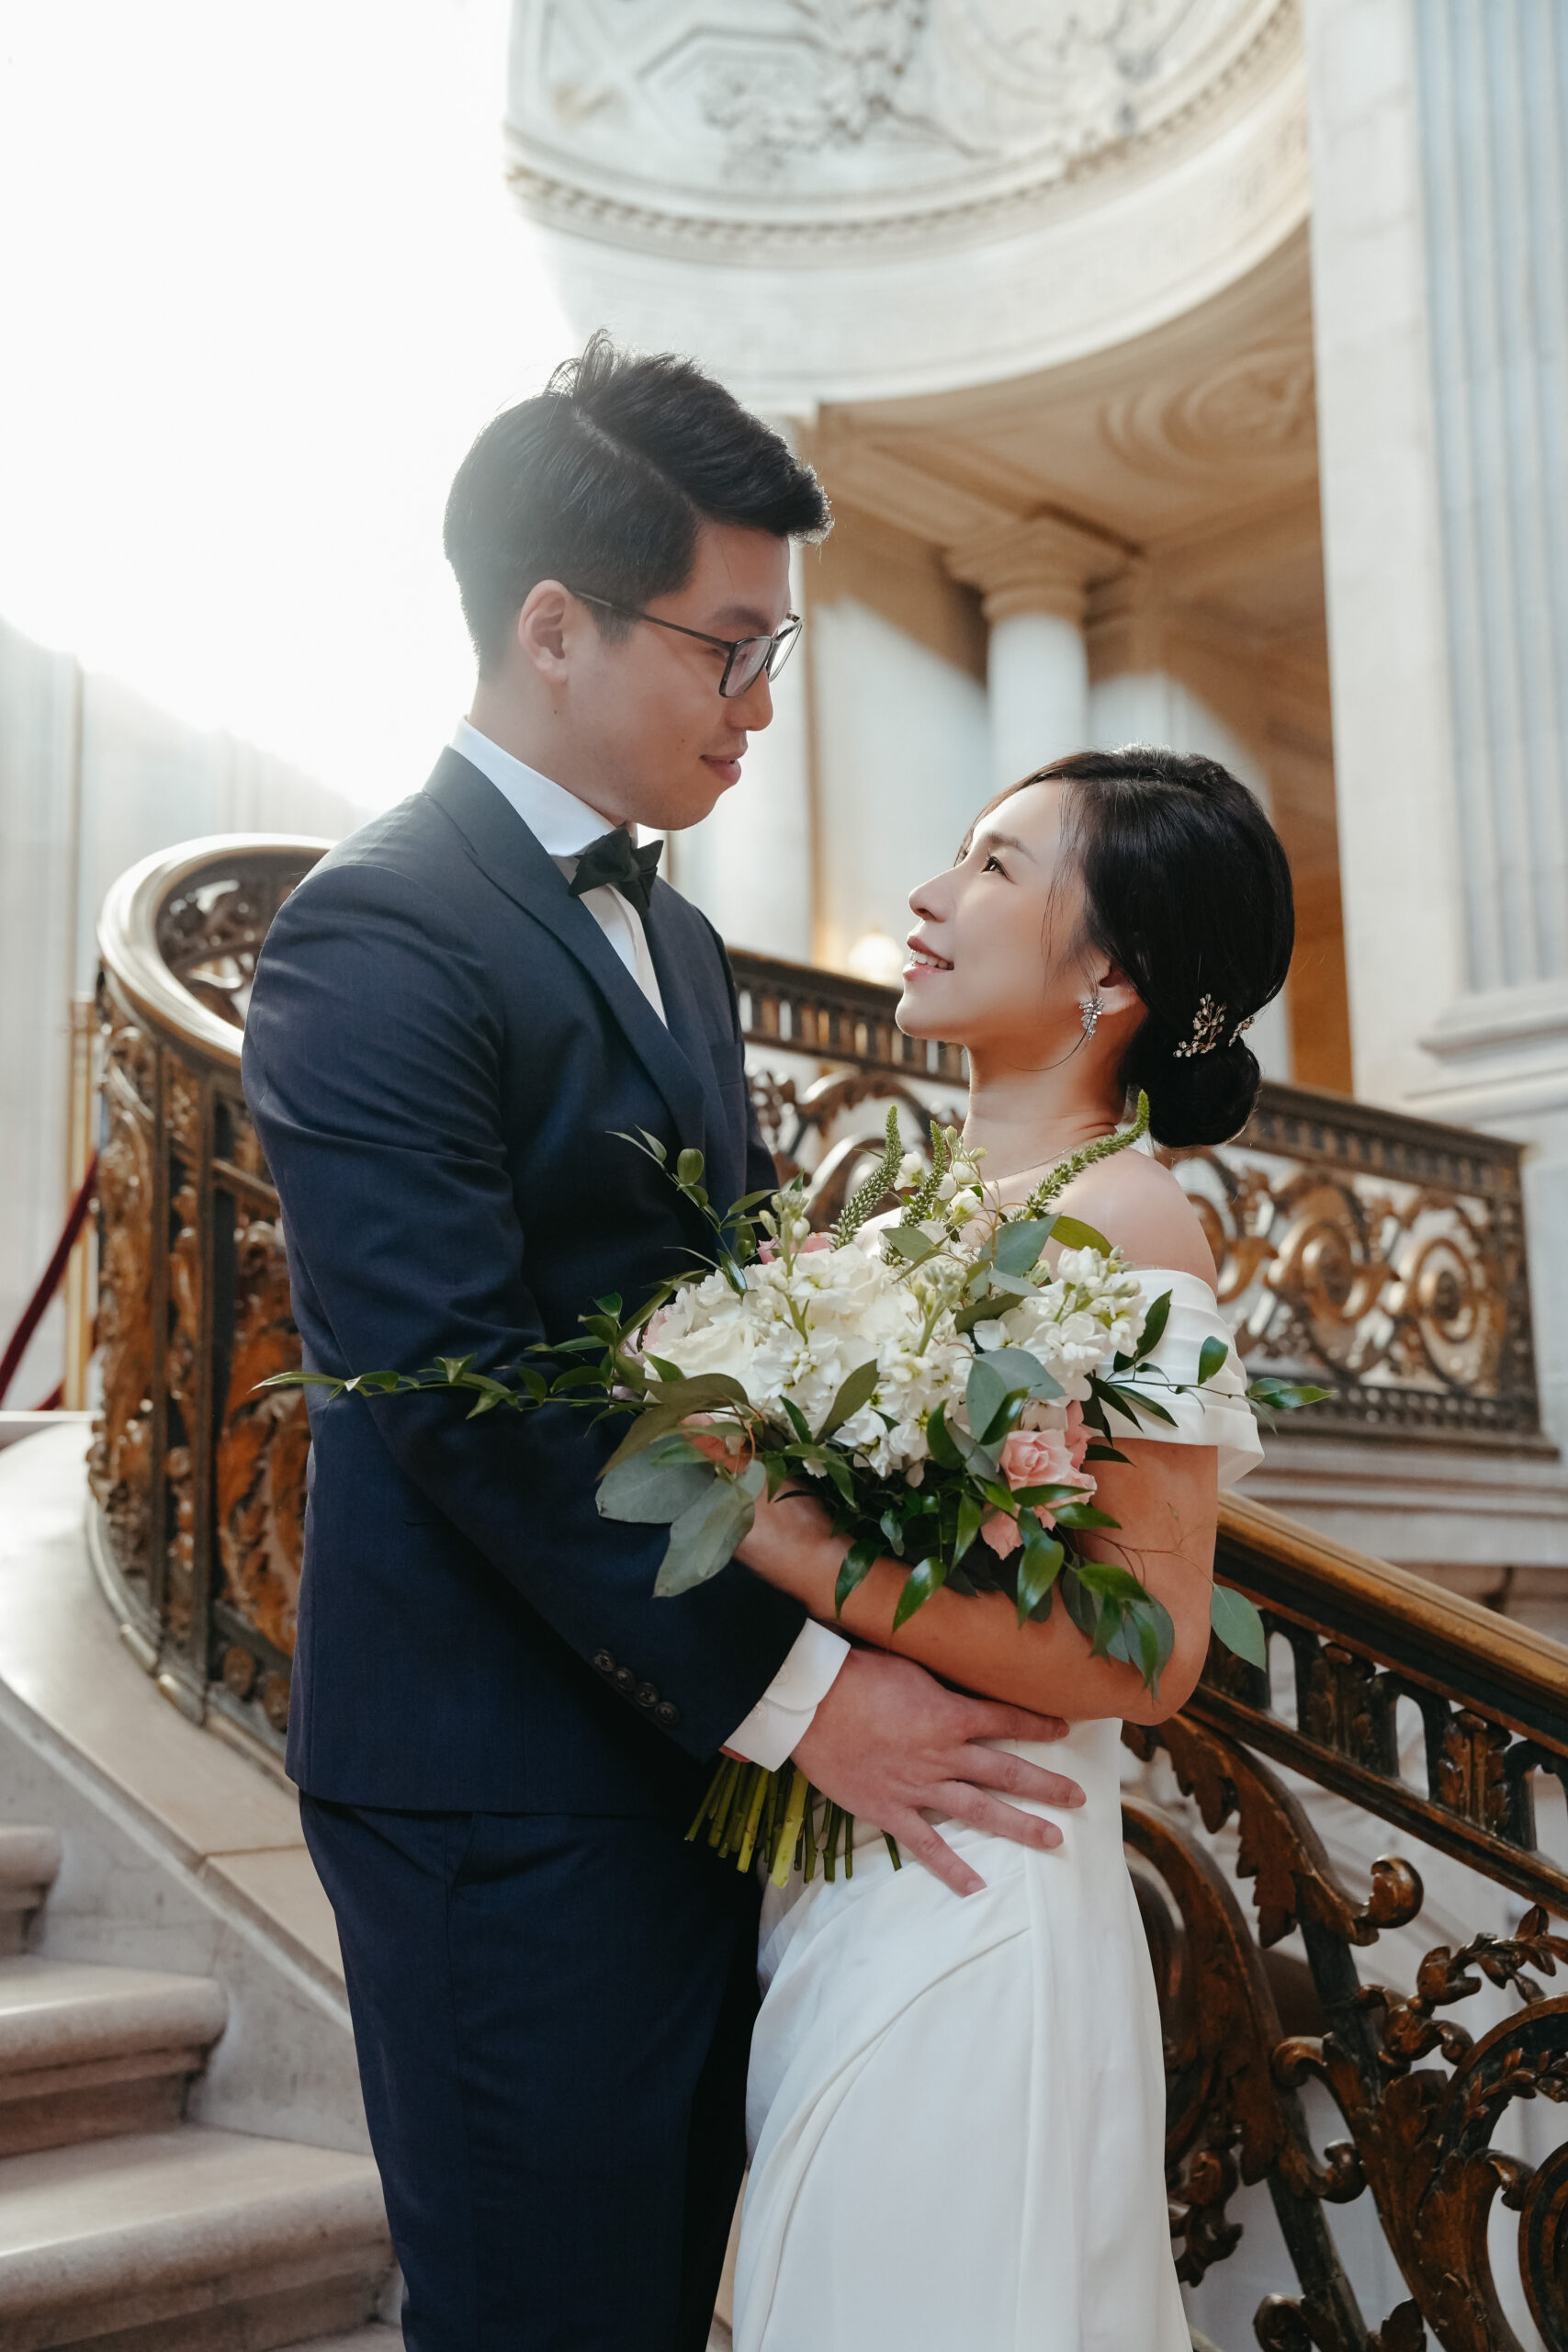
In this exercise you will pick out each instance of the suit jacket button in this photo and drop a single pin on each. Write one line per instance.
(666, 1715)
(647, 1696)
(624, 1679)
(604, 1661)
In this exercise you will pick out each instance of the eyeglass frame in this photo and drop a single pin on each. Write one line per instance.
(781, 644)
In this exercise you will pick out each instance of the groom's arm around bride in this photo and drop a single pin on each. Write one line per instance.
(498, 1732)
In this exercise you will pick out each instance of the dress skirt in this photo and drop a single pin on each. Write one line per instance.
(956, 2105)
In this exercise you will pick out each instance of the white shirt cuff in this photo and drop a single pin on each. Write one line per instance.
(781, 1716)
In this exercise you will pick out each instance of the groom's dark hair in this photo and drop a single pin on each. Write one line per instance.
(603, 483)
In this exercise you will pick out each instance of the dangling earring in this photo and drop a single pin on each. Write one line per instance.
(1090, 1008)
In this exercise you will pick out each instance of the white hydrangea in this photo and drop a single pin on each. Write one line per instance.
(1091, 1312)
(800, 1329)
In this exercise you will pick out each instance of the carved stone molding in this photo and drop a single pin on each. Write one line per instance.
(1254, 410)
(803, 126)
(975, 188)
(1042, 566)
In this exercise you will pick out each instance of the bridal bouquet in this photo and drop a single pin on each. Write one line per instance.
(937, 1382)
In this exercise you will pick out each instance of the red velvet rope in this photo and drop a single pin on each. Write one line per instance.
(54, 1275)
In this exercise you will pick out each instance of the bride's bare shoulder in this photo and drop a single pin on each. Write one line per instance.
(1136, 1202)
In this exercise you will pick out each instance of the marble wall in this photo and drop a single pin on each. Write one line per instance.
(91, 779)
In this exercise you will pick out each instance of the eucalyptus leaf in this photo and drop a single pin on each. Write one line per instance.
(1020, 1370)
(653, 1493)
(703, 1540)
(909, 1242)
(1018, 1244)
(1237, 1624)
(695, 1396)
(985, 1395)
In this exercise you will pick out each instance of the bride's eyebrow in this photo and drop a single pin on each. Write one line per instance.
(1005, 841)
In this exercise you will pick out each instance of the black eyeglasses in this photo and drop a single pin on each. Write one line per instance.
(746, 658)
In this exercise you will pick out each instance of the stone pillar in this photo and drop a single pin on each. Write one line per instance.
(750, 866)
(1439, 146)
(1034, 579)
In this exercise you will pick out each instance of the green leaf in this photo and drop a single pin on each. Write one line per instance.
(909, 1242)
(1132, 1403)
(857, 1564)
(649, 1491)
(797, 1419)
(971, 1511)
(1082, 1606)
(1082, 1514)
(985, 1395)
(1108, 1580)
(704, 1538)
(1285, 1396)
(302, 1380)
(1042, 1557)
(1048, 1498)
(1105, 1454)
(689, 1168)
(1154, 1322)
(1211, 1357)
(452, 1366)
(1018, 1244)
(1237, 1624)
(1073, 1233)
(918, 1586)
(940, 1438)
(709, 1388)
(853, 1392)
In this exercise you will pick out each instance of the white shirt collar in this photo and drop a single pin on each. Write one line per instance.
(561, 824)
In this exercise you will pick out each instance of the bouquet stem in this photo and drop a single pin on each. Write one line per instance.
(748, 1811)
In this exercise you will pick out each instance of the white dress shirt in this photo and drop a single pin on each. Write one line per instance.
(563, 826)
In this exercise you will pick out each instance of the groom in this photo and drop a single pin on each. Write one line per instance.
(498, 1733)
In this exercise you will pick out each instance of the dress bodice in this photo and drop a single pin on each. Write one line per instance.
(1216, 1415)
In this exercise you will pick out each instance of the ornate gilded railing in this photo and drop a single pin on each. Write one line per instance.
(199, 1483)
(1379, 1255)
(1371, 1249)
(1448, 1723)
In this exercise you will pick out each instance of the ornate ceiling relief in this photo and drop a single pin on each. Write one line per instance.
(766, 126)
(1256, 409)
(975, 188)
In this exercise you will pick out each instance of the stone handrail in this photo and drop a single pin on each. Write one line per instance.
(1418, 1710)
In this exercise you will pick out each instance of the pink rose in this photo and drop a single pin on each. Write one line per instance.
(768, 1249)
(1039, 1458)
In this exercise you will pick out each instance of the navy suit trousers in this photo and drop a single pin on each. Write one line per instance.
(552, 2014)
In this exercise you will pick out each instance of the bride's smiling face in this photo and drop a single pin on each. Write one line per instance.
(997, 957)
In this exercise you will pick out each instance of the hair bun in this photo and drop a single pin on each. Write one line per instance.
(1195, 1098)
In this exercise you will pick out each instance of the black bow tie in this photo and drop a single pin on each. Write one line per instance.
(616, 859)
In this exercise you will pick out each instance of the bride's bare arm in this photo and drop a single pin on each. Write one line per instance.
(1166, 1499)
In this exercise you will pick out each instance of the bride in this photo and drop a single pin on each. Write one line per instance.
(956, 2107)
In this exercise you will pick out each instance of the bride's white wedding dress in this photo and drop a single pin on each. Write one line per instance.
(957, 2106)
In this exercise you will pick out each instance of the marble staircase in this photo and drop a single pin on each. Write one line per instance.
(125, 2227)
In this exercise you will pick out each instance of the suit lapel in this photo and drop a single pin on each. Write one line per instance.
(508, 853)
(725, 1150)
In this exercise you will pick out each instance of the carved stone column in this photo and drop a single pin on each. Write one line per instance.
(1442, 320)
(1034, 578)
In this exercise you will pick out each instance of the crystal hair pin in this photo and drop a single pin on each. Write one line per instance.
(1208, 1027)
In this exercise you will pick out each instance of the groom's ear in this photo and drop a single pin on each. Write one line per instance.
(545, 626)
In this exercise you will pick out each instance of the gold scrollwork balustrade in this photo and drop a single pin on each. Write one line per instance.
(1380, 1255)
(1383, 1252)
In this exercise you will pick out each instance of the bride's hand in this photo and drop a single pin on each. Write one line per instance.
(889, 1743)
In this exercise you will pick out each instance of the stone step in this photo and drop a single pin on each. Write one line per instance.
(86, 2051)
(29, 1864)
(187, 2241)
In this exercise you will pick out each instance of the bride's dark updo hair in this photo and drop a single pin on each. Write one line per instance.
(1187, 890)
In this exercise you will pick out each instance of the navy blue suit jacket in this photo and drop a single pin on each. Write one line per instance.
(438, 1047)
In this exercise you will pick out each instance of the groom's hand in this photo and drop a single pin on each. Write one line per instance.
(889, 1743)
